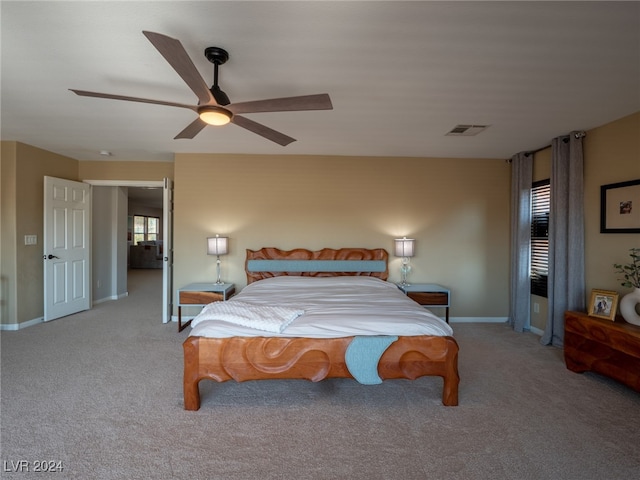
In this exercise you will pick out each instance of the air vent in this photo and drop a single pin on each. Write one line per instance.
(466, 130)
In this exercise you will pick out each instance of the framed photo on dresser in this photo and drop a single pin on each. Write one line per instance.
(603, 304)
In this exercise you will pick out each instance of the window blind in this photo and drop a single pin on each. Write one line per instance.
(540, 206)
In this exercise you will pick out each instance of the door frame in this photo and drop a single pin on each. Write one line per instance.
(168, 258)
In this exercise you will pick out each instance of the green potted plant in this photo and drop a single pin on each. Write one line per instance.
(631, 279)
(630, 271)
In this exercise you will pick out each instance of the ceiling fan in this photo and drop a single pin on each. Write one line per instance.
(214, 107)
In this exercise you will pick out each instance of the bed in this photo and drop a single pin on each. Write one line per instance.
(287, 344)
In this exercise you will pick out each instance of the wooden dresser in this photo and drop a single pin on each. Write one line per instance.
(602, 346)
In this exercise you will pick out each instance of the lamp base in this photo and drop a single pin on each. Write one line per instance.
(405, 269)
(218, 281)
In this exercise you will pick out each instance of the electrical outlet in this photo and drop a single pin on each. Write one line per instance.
(536, 307)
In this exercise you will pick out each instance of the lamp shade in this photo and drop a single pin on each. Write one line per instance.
(217, 245)
(405, 247)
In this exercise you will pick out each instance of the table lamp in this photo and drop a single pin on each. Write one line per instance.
(217, 246)
(405, 248)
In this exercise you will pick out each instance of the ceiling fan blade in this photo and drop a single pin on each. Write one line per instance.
(266, 132)
(84, 93)
(174, 53)
(287, 104)
(192, 129)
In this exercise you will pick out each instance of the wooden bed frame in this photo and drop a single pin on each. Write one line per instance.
(259, 358)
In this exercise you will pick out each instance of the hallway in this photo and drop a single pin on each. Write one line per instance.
(145, 282)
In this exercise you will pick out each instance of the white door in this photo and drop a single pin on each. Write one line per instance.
(67, 222)
(167, 250)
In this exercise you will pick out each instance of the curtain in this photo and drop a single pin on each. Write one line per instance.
(566, 236)
(519, 294)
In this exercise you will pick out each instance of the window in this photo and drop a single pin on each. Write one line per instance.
(540, 205)
(145, 229)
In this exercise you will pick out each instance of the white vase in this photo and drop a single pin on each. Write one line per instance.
(628, 307)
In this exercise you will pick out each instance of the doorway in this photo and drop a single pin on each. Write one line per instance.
(113, 234)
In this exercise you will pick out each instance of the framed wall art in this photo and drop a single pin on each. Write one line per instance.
(620, 207)
(603, 304)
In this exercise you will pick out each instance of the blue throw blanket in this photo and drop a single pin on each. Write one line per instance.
(362, 357)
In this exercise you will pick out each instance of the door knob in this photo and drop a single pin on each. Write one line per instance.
(50, 257)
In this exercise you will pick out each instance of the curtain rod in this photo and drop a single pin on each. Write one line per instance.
(533, 152)
(564, 138)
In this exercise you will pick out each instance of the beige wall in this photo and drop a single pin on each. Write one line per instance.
(457, 209)
(8, 268)
(612, 154)
(29, 165)
(108, 170)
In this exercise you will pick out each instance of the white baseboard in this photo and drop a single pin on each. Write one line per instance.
(20, 326)
(536, 331)
(478, 320)
(105, 299)
(112, 297)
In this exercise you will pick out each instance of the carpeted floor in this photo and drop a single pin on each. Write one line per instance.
(100, 394)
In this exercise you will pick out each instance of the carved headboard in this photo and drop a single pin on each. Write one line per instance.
(272, 262)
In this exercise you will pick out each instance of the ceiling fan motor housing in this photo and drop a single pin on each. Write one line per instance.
(217, 56)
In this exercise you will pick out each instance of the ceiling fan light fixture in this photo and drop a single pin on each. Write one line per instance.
(212, 115)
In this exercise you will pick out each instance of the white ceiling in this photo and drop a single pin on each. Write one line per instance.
(400, 74)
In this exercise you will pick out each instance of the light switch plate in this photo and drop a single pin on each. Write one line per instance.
(30, 239)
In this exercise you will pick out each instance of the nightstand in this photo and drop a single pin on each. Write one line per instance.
(202, 294)
(428, 295)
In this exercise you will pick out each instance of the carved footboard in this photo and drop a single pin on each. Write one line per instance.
(255, 358)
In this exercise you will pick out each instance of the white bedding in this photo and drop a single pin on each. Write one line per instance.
(270, 318)
(333, 307)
